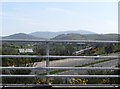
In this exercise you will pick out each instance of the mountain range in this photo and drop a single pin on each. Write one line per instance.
(66, 35)
(49, 35)
(73, 36)
(20, 36)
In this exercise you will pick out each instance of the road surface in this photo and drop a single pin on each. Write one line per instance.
(71, 62)
(111, 63)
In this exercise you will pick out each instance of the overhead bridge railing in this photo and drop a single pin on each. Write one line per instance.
(48, 68)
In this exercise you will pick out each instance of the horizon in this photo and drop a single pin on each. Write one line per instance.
(56, 31)
(29, 17)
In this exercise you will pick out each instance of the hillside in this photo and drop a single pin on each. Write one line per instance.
(69, 36)
(50, 35)
(73, 36)
(20, 36)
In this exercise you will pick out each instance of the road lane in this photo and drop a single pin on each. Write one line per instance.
(71, 62)
(111, 63)
(63, 63)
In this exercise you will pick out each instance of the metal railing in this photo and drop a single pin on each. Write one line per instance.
(48, 68)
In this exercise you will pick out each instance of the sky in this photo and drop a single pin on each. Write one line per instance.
(28, 17)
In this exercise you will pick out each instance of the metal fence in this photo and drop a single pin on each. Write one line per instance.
(48, 68)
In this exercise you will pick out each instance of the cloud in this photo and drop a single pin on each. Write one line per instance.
(18, 9)
(2, 14)
(61, 10)
(16, 17)
(56, 10)
(5, 14)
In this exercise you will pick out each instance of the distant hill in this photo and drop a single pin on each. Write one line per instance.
(67, 36)
(74, 36)
(20, 36)
(50, 35)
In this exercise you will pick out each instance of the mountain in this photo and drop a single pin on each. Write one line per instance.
(66, 36)
(20, 36)
(50, 35)
(46, 35)
(73, 36)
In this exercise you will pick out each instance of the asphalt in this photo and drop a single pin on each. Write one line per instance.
(111, 63)
(71, 62)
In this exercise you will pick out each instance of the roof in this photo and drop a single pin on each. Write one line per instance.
(25, 50)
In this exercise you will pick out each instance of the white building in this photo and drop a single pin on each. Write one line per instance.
(25, 50)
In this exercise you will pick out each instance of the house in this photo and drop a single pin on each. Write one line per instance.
(25, 50)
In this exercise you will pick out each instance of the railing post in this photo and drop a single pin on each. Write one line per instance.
(1, 61)
(47, 59)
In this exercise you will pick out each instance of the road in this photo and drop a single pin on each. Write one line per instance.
(111, 63)
(71, 62)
